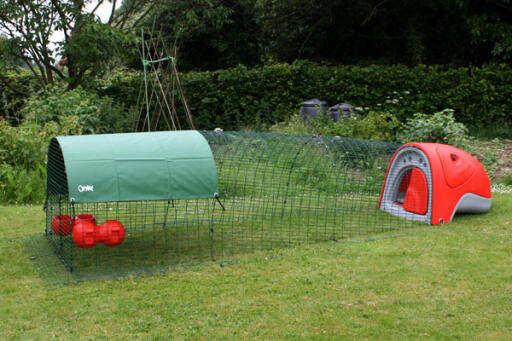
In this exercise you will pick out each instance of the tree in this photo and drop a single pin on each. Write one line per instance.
(490, 25)
(209, 34)
(389, 31)
(87, 45)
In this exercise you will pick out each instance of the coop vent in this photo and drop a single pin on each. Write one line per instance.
(128, 167)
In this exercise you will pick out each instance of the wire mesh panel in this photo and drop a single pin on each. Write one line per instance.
(283, 190)
(157, 234)
(275, 191)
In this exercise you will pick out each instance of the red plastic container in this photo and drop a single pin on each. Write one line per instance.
(84, 233)
(61, 224)
(89, 217)
(111, 233)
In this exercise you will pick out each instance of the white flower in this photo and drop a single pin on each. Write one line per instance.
(500, 188)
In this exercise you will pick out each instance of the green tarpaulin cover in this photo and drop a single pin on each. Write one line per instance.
(137, 166)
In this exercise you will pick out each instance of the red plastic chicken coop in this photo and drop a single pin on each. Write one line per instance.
(430, 182)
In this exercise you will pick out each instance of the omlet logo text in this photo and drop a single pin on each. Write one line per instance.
(85, 188)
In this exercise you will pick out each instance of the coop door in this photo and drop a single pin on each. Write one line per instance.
(413, 192)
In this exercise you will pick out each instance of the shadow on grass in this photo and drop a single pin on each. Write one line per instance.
(53, 272)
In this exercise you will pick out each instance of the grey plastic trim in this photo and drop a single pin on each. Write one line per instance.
(472, 203)
(407, 158)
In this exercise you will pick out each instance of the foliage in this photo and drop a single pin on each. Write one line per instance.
(240, 97)
(507, 180)
(85, 47)
(503, 188)
(493, 129)
(439, 127)
(489, 160)
(93, 50)
(209, 34)
(47, 114)
(495, 155)
(122, 84)
(213, 34)
(413, 32)
(22, 158)
(261, 97)
(11, 100)
(293, 125)
(376, 125)
(95, 114)
(490, 27)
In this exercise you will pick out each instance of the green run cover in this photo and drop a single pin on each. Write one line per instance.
(135, 166)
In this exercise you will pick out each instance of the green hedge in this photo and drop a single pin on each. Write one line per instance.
(239, 97)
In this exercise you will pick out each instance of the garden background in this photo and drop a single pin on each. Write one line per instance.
(248, 65)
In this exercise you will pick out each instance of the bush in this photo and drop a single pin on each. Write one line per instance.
(506, 180)
(47, 114)
(21, 186)
(439, 127)
(376, 125)
(11, 102)
(240, 96)
(122, 85)
(22, 158)
(95, 114)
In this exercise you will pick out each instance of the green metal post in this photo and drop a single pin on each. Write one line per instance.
(145, 64)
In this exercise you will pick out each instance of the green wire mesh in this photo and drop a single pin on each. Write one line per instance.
(275, 191)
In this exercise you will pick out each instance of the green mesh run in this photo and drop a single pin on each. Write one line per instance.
(275, 191)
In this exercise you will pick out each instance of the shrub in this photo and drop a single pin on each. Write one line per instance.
(293, 125)
(22, 158)
(239, 97)
(242, 97)
(439, 127)
(122, 85)
(506, 180)
(11, 102)
(376, 125)
(95, 114)
(21, 186)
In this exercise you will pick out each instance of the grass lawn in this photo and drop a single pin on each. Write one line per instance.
(439, 282)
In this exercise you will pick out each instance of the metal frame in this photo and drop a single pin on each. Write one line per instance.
(275, 191)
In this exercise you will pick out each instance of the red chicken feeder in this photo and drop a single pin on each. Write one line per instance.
(83, 217)
(430, 182)
(110, 233)
(61, 224)
(84, 233)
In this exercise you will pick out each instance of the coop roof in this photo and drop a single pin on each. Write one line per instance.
(136, 166)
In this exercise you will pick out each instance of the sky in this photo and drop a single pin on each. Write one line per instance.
(103, 11)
